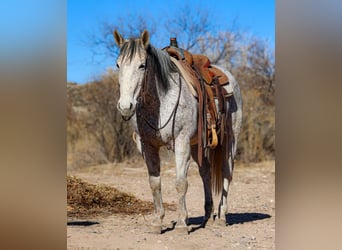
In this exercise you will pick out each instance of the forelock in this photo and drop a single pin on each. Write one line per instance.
(130, 48)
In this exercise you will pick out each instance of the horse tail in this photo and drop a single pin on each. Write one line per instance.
(216, 157)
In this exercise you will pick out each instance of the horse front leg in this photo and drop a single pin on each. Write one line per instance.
(182, 158)
(151, 155)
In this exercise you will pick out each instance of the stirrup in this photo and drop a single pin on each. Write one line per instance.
(214, 139)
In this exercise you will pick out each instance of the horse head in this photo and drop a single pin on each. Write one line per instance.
(131, 64)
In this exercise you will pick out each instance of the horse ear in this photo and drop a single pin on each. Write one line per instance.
(119, 40)
(145, 38)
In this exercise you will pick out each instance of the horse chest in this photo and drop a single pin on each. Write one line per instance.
(147, 125)
(155, 130)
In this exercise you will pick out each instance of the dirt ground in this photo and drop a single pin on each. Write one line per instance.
(251, 218)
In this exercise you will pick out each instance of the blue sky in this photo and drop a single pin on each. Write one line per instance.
(85, 17)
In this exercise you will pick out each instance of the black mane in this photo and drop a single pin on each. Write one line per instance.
(158, 63)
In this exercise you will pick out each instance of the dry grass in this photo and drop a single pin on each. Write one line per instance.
(89, 200)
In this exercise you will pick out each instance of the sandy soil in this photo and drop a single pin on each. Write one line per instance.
(251, 215)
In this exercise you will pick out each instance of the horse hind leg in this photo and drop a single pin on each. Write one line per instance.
(227, 173)
(152, 160)
(223, 205)
(205, 176)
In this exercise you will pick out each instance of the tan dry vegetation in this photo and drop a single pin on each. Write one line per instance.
(96, 133)
(86, 200)
(257, 139)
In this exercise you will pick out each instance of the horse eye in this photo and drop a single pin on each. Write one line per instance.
(142, 66)
(117, 65)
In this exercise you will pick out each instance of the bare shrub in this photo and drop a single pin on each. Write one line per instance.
(256, 141)
(96, 132)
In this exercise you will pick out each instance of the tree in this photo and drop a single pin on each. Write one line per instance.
(249, 59)
(129, 26)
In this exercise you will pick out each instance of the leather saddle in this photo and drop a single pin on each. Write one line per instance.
(208, 82)
(201, 62)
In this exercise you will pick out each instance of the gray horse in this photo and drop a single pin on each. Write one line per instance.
(164, 112)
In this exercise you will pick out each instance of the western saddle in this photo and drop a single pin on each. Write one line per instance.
(211, 88)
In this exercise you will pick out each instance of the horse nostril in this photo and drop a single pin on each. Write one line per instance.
(131, 106)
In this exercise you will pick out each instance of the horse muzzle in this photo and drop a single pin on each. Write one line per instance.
(127, 111)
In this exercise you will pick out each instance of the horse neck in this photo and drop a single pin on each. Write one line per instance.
(149, 93)
(149, 103)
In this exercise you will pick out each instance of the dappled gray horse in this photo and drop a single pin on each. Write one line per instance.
(164, 112)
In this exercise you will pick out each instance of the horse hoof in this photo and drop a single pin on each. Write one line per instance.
(155, 229)
(182, 230)
(221, 222)
(209, 222)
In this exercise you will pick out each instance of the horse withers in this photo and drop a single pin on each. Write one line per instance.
(164, 112)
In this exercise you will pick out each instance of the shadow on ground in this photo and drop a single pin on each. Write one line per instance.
(197, 222)
(82, 223)
(231, 218)
(240, 218)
